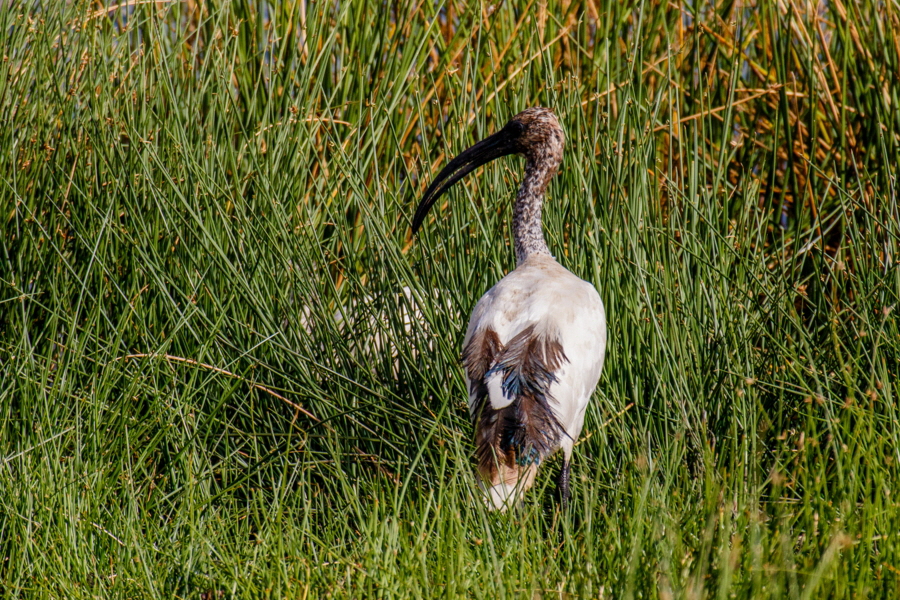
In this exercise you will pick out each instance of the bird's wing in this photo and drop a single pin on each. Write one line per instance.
(500, 373)
(583, 338)
(479, 354)
(547, 338)
(509, 395)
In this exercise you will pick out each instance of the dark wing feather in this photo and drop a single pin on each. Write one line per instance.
(528, 364)
(477, 358)
(525, 431)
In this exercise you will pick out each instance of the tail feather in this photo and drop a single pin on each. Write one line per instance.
(511, 443)
(515, 433)
(534, 432)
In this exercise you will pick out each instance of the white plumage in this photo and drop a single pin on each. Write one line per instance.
(536, 341)
(542, 293)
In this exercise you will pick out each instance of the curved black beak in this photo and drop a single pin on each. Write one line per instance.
(502, 143)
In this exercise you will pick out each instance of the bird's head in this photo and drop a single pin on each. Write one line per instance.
(534, 133)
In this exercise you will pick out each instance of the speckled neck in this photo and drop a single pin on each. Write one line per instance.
(527, 230)
(541, 144)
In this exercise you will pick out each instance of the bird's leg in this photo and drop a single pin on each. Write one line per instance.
(562, 484)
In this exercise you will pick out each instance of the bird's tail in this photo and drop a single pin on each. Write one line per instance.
(512, 442)
(515, 426)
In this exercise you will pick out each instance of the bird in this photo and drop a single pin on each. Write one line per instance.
(536, 341)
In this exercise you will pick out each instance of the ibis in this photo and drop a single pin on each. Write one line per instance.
(535, 344)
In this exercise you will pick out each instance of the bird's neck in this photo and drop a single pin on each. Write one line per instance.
(527, 230)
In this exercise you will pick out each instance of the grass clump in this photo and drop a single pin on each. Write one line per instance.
(229, 371)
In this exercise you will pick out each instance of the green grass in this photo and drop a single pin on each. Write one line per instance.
(213, 381)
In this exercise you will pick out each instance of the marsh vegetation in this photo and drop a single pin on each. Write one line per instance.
(228, 370)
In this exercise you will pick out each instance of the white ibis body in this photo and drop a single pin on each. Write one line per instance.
(535, 344)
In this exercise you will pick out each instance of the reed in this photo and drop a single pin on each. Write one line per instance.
(229, 370)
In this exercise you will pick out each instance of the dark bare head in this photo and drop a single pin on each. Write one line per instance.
(534, 134)
(541, 140)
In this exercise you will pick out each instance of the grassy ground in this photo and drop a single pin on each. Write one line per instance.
(229, 371)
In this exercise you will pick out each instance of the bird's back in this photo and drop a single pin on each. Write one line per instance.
(533, 354)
